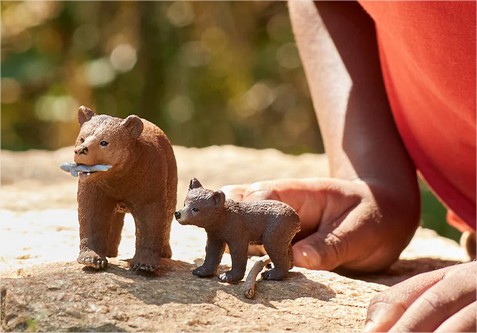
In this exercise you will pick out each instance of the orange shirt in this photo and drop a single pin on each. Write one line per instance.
(427, 52)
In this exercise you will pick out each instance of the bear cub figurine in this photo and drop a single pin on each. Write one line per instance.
(238, 224)
(138, 175)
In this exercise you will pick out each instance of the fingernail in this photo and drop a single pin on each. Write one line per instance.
(309, 256)
(369, 326)
(382, 317)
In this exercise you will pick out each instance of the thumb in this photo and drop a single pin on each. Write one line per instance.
(320, 250)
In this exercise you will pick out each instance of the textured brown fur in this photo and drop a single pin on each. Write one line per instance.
(142, 181)
(238, 224)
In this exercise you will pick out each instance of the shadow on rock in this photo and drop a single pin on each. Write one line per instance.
(295, 286)
(99, 328)
(175, 283)
(404, 269)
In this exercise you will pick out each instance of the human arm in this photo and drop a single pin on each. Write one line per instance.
(359, 134)
(363, 217)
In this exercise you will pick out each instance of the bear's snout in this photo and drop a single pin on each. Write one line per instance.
(177, 215)
(81, 150)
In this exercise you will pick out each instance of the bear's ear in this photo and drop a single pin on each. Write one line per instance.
(194, 183)
(134, 125)
(85, 114)
(219, 198)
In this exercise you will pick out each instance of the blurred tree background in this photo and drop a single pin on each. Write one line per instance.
(208, 73)
(205, 72)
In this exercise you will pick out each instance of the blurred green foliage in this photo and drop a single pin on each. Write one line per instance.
(433, 214)
(206, 72)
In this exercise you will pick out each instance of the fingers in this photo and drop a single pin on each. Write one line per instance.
(335, 215)
(425, 302)
(303, 195)
(304, 199)
(319, 251)
(387, 307)
(349, 237)
(462, 321)
(322, 205)
(265, 190)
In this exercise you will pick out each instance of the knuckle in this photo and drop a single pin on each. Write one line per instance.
(260, 191)
(336, 250)
(234, 192)
(229, 188)
(432, 300)
(380, 299)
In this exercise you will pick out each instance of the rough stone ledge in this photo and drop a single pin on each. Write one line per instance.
(65, 296)
(41, 289)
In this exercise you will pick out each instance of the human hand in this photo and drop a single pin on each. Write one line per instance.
(355, 225)
(442, 301)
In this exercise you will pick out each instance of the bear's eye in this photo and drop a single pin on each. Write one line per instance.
(195, 210)
(104, 143)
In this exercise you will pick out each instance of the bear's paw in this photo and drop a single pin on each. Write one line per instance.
(91, 259)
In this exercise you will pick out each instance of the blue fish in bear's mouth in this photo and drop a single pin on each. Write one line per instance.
(75, 169)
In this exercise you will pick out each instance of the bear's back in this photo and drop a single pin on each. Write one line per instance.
(255, 217)
(158, 159)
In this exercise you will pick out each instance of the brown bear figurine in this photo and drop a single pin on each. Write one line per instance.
(238, 224)
(138, 175)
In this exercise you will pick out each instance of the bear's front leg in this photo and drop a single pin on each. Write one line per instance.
(95, 213)
(214, 251)
(238, 253)
(153, 226)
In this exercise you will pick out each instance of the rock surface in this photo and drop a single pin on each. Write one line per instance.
(43, 289)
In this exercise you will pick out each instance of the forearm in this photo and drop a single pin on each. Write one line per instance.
(339, 52)
(342, 66)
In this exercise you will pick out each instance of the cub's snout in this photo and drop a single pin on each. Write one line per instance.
(182, 217)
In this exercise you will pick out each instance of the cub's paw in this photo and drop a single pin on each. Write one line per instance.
(91, 259)
(202, 271)
(229, 277)
(274, 274)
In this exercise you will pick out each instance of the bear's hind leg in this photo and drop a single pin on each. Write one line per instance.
(290, 256)
(166, 249)
(115, 229)
(153, 227)
(280, 256)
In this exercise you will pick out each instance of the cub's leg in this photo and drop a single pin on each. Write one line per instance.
(279, 250)
(95, 211)
(290, 256)
(214, 251)
(153, 227)
(238, 253)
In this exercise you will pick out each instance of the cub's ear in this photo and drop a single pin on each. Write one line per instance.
(194, 183)
(219, 198)
(85, 114)
(134, 125)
